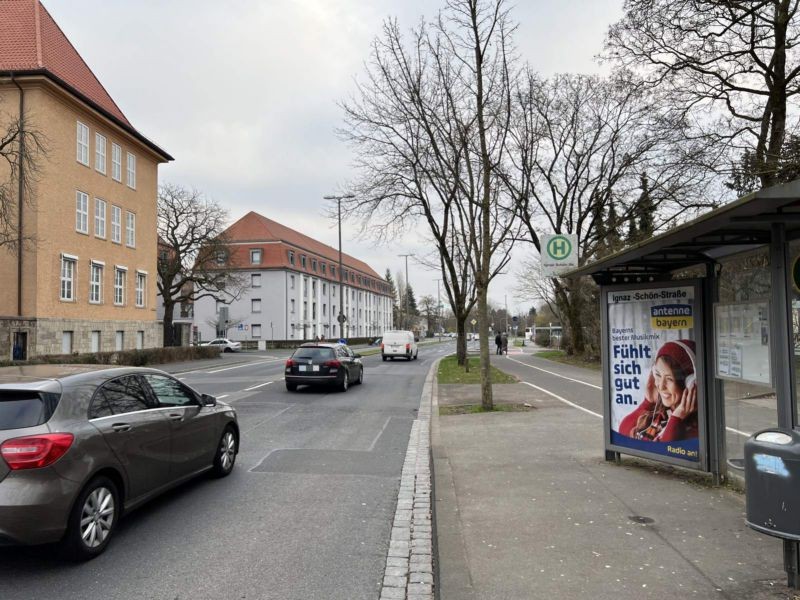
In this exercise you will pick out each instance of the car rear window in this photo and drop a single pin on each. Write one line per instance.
(314, 353)
(20, 409)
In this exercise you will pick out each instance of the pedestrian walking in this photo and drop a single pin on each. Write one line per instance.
(504, 339)
(498, 341)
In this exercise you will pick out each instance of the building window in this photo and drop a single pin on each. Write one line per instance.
(140, 340)
(291, 257)
(96, 345)
(324, 313)
(255, 257)
(303, 260)
(131, 171)
(130, 230)
(100, 218)
(255, 305)
(96, 283)
(116, 224)
(119, 340)
(323, 267)
(141, 284)
(221, 257)
(66, 342)
(324, 288)
(291, 282)
(255, 280)
(83, 144)
(100, 153)
(333, 271)
(314, 310)
(292, 305)
(314, 287)
(82, 212)
(255, 330)
(305, 311)
(67, 279)
(116, 162)
(314, 264)
(119, 286)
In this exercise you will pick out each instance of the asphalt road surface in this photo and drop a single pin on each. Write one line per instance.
(306, 514)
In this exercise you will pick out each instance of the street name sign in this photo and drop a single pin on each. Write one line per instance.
(559, 253)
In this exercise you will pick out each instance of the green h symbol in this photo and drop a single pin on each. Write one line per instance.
(559, 248)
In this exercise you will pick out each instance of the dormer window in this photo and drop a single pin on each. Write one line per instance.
(291, 258)
(255, 256)
(314, 264)
(220, 257)
(303, 260)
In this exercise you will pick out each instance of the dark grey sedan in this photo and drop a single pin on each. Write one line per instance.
(320, 363)
(79, 446)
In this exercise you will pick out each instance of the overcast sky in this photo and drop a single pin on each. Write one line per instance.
(244, 94)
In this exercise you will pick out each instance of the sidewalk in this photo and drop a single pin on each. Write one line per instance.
(526, 508)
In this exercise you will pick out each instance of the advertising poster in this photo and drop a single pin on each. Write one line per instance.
(742, 342)
(655, 395)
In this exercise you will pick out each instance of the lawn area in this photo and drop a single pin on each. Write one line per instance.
(563, 357)
(450, 372)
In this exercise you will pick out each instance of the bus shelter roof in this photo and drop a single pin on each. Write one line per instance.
(738, 226)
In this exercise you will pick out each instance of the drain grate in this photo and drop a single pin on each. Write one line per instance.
(641, 520)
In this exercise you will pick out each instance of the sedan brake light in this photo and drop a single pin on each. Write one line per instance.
(290, 363)
(35, 451)
(332, 363)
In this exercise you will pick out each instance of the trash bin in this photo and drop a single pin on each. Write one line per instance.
(772, 482)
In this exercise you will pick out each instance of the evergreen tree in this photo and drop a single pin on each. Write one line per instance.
(393, 293)
(599, 222)
(412, 302)
(614, 236)
(645, 209)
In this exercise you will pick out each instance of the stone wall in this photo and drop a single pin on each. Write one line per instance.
(10, 325)
(49, 335)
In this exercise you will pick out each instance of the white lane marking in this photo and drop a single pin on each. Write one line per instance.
(564, 400)
(260, 423)
(223, 396)
(380, 433)
(591, 385)
(250, 364)
(255, 387)
(742, 433)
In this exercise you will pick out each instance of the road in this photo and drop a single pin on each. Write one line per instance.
(306, 513)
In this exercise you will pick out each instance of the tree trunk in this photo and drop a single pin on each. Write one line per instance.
(487, 401)
(461, 340)
(569, 304)
(169, 330)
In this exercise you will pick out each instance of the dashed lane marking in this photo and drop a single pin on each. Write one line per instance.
(255, 387)
(249, 364)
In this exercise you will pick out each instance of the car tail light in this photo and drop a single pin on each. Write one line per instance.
(290, 363)
(35, 451)
(408, 347)
(335, 364)
(381, 346)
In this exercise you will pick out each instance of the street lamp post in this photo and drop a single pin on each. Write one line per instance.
(406, 289)
(438, 310)
(341, 318)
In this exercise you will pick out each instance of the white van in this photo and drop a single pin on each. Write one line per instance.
(400, 344)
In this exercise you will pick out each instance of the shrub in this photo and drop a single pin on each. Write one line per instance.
(542, 338)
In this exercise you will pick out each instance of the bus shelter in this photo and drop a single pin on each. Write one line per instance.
(701, 336)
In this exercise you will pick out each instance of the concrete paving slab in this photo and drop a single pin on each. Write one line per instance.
(527, 508)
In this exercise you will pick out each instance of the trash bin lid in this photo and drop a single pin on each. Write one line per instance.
(774, 437)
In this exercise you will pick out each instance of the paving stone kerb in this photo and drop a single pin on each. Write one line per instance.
(409, 562)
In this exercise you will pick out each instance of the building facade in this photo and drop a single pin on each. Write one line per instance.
(291, 289)
(86, 278)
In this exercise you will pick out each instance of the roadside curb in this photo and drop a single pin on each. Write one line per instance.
(409, 562)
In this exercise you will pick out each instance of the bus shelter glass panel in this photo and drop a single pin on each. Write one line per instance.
(749, 406)
(793, 271)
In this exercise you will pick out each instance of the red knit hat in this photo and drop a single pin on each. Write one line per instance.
(682, 352)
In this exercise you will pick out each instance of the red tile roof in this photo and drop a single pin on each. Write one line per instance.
(275, 240)
(32, 42)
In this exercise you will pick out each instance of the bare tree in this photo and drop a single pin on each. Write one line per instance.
(429, 128)
(194, 257)
(23, 148)
(729, 67)
(579, 147)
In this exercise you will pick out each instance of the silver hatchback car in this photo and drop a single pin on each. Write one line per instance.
(81, 445)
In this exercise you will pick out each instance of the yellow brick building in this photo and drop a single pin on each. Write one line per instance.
(86, 280)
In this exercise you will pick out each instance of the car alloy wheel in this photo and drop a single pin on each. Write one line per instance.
(345, 380)
(97, 517)
(360, 376)
(226, 453)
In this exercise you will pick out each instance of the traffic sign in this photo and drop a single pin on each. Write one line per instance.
(341, 318)
(559, 254)
(474, 322)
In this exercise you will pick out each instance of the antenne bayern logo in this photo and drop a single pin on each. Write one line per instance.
(559, 248)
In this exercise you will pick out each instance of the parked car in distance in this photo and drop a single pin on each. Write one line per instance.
(376, 342)
(324, 364)
(82, 445)
(399, 344)
(224, 344)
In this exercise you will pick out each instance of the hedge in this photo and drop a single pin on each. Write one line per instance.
(130, 358)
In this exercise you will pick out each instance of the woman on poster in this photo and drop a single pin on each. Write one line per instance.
(669, 410)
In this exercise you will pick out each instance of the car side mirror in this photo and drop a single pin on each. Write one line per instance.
(416, 339)
(208, 400)
(356, 355)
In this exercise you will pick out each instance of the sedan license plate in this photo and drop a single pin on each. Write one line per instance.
(302, 368)
(315, 368)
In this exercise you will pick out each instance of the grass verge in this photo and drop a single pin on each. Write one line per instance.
(450, 372)
(563, 357)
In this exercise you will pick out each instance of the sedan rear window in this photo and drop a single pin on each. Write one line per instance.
(20, 409)
(314, 353)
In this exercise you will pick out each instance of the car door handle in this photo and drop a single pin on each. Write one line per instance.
(121, 427)
(175, 416)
